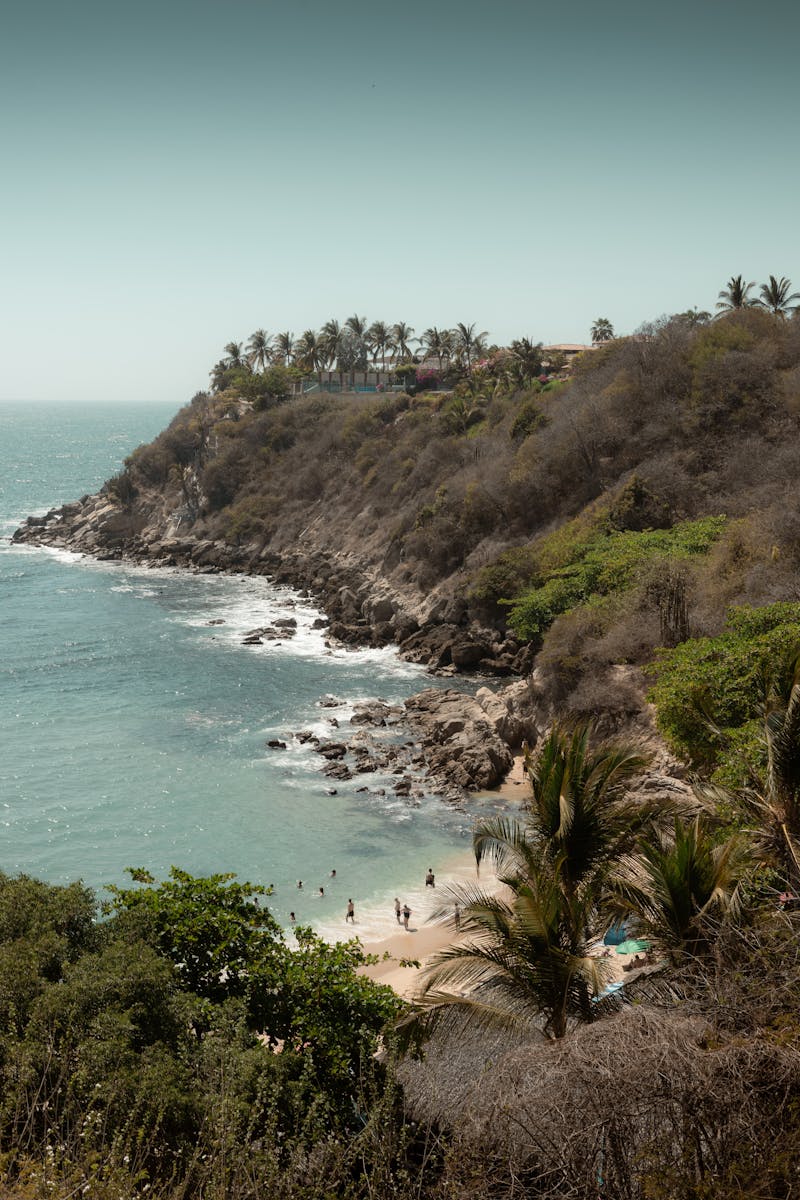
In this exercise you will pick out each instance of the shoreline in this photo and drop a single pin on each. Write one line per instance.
(425, 938)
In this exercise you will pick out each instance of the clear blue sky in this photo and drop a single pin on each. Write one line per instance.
(177, 174)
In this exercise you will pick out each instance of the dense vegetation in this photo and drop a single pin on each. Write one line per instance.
(181, 1039)
(625, 508)
(638, 515)
(180, 1048)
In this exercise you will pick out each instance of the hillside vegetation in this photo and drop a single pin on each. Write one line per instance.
(635, 523)
(597, 518)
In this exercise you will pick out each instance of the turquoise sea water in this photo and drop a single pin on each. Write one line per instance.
(133, 732)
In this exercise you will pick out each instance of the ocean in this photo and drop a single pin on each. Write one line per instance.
(134, 731)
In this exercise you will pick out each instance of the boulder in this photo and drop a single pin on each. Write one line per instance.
(379, 610)
(466, 654)
(461, 742)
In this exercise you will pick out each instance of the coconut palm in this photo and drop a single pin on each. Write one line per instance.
(526, 360)
(236, 356)
(578, 809)
(258, 349)
(331, 339)
(522, 959)
(402, 335)
(776, 298)
(439, 344)
(677, 880)
(602, 331)
(357, 328)
(525, 952)
(468, 343)
(310, 355)
(356, 331)
(379, 339)
(735, 295)
(284, 347)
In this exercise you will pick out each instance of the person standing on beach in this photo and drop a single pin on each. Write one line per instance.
(351, 912)
(406, 916)
(397, 909)
(430, 880)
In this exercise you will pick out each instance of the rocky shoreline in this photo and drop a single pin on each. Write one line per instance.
(361, 607)
(456, 741)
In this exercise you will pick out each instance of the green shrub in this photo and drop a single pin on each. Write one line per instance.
(727, 672)
(529, 418)
(604, 565)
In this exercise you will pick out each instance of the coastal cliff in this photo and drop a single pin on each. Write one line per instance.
(557, 533)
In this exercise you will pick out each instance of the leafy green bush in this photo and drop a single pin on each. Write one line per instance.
(184, 1017)
(603, 565)
(529, 418)
(729, 672)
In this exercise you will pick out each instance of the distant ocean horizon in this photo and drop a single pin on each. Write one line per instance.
(134, 731)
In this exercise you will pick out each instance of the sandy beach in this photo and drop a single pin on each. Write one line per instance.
(425, 937)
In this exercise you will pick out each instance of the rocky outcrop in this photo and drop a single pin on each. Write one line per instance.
(462, 737)
(360, 606)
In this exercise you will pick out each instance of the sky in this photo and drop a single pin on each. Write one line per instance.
(178, 174)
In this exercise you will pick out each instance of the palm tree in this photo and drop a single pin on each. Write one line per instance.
(236, 357)
(527, 950)
(401, 338)
(310, 356)
(284, 347)
(379, 339)
(438, 343)
(677, 880)
(356, 326)
(579, 808)
(468, 343)
(258, 349)
(522, 959)
(330, 341)
(602, 331)
(775, 297)
(526, 360)
(735, 295)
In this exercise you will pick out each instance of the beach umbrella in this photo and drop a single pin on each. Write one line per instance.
(633, 946)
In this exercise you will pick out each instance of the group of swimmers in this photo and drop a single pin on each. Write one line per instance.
(401, 911)
(350, 915)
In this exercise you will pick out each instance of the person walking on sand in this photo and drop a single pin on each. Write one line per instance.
(397, 909)
(351, 912)
(430, 881)
(406, 916)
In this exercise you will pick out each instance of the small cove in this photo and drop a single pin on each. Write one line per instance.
(134, 731)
